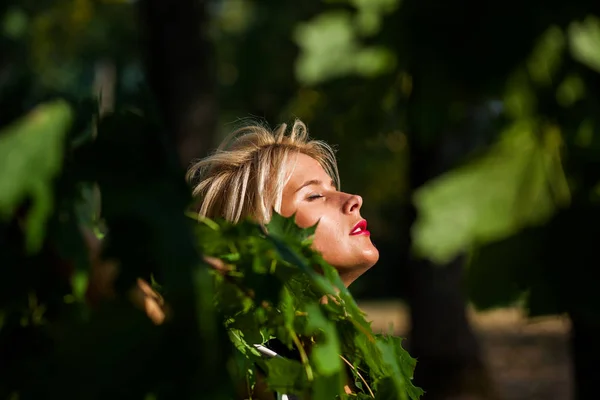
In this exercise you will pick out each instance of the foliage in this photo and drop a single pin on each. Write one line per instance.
(36, 139)
(270, 289)
(47, 323)
(518, 183)
(514, 207)
(493, 137)
(584, 37)
(342, 53)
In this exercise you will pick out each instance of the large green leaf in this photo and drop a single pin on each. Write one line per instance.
(584, 40)
(518, 183)
(31, 155)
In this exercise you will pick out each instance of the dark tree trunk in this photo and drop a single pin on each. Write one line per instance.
(180, 69)
(585, 351)
(449, 356)
(450, 364)
(570, 256)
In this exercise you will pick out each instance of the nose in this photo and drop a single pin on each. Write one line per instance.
(353, 204)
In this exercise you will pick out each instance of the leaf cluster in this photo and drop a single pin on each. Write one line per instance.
(275, 286)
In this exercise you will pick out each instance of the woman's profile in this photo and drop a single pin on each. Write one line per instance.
(256, 171)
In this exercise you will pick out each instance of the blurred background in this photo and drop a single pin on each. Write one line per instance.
(470, 128)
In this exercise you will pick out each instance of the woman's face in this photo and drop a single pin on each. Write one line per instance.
(341, 236)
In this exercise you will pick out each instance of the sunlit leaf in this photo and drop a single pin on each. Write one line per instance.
(519, 183)
(327, 43)
(392, 351)
(31, 152)
(584, 41)
(286, 229)
(372, 61)
(331, 49)
(371, 13)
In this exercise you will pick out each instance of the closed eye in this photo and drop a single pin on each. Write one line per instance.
(313, 197)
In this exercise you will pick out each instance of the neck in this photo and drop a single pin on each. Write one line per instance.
(349, 277)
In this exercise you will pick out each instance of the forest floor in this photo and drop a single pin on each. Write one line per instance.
(528, 359)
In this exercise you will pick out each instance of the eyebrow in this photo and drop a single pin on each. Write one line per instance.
(312, 182)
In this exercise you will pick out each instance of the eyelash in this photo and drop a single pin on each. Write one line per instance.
(313, 197)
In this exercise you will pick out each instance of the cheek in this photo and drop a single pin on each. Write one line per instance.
(307, 217)
(328, 239)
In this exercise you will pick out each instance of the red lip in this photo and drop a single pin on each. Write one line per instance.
(360, 229)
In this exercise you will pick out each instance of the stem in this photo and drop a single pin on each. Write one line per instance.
(363, 330)
(248, 386)
(359, 375)
(206, 221)
(303, 355)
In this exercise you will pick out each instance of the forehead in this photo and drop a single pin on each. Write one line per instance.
(302, 168)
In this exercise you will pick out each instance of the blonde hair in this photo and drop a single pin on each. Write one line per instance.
(246, 175)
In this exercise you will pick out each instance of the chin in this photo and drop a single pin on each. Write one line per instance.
(352, 273)
(371, 256)
(371, 259)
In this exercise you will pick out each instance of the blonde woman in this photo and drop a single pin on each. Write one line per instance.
(256, 171)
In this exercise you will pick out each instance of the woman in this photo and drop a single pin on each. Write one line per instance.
(256, 171)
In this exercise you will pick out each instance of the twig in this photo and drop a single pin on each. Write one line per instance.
(359, 375)
(217, 264)
(303, 355)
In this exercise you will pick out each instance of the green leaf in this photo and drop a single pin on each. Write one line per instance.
(327, 387)
(330, 48)
(31, 156)
(326, 352)
(287, 308)
(285, 375)
(519, 182)
(241, 344)
(286, 229)
(401, 365)
(371, 12)
(584, 42)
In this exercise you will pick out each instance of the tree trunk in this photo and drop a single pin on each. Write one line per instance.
(449, 365)
(585, 351)
(449, 359)
(180, 69)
